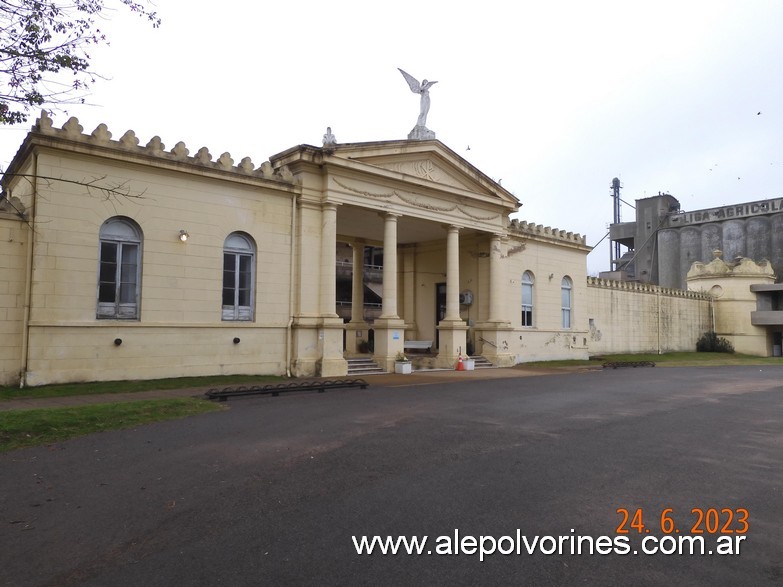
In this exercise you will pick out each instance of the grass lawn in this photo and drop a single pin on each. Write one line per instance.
(20, 428)
(67, 389)
(692, 359)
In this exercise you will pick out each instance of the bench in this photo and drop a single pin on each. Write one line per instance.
(417, 345)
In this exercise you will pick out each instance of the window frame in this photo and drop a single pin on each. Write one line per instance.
(126, 236)
(240, 247)
(566, 302)
(528, 284)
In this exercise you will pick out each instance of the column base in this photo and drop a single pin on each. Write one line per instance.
(452, 340)
(495, 346)
(389, 340)
(318, 347)
(332, 362)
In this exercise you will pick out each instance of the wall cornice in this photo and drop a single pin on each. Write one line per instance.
(71, 138)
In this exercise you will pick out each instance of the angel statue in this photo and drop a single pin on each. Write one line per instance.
(422, 88)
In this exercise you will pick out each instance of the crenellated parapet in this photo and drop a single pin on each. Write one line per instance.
(129, 143)
(546, 232)
(635, 286)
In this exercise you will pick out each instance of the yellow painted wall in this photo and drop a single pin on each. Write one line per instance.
(550, 255)
(14, 240)
(730, 284)
(628, 317)
(180, 331)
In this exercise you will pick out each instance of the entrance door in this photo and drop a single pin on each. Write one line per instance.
(440, 309)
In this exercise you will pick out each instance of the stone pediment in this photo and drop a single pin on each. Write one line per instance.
(425, 168)
(430, 161)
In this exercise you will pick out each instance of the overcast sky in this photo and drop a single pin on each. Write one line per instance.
(553, 98)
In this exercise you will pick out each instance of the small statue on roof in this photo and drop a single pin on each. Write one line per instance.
(420, 131)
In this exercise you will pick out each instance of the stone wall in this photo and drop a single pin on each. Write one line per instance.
(14, 240)
(625, 317)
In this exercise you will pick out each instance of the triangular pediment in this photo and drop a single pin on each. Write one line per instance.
(423, 167)
(427, 161)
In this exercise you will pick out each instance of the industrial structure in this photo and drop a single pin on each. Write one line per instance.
(663, 241)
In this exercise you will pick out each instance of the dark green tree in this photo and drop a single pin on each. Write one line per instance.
(44, 57)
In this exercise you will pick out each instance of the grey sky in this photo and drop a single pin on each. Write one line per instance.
(553, 98)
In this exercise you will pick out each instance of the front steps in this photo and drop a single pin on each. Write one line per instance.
(481, 363)
(363, 366)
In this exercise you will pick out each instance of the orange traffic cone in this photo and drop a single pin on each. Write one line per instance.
(460, 365)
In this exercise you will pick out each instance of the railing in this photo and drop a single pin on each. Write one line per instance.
(371, 272)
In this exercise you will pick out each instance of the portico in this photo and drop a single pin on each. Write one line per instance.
(438, 219)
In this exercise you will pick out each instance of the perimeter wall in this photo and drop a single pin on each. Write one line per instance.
(626, 317)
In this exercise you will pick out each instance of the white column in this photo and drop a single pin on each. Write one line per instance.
(328, 290)
(357, 284)
(452, 274)
(495, 280)
(409, 286)
(389, 309)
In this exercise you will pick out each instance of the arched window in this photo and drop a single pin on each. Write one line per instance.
(119, 269)
(527, 298)
(566, 298)
(239, 254)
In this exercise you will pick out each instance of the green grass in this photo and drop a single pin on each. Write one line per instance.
(692, 359)
(21, 428)
(100, 387)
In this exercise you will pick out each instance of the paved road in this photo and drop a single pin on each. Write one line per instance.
(271, 490)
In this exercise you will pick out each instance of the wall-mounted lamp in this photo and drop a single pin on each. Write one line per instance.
(117, 341)
(183, 235)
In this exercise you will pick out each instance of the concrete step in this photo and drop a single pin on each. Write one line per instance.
(481, 362)
(363, 366)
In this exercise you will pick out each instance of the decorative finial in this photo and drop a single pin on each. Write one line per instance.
(329, 138)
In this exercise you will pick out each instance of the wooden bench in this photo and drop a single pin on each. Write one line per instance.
(417, 345)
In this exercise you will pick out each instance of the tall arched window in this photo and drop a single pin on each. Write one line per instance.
(527, 298)
(566, 298)
(119, 269)
(239, 254)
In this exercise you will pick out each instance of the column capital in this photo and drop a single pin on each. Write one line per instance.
(390, 215)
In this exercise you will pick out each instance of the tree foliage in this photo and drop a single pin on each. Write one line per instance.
(44, 47)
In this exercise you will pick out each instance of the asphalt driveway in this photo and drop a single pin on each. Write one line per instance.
(274, 489)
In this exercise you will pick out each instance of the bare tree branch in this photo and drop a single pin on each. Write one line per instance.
(119, 189)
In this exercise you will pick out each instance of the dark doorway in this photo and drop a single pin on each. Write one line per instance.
(440, 309)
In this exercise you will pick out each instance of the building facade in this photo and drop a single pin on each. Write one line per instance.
(131, 261)
(123, 260)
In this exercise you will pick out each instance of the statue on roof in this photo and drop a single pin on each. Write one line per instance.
(420, 131)
(329, 139)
